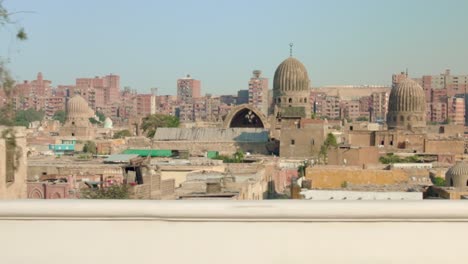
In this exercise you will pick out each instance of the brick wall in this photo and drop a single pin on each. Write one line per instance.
(333, 178)
(441, 146)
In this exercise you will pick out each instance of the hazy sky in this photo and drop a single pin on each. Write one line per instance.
(152, 43)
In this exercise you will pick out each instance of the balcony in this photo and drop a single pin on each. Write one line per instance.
(281, 231)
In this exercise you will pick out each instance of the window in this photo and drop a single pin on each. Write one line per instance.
(290, 100)
(451, 182)
(293, 142)
(73, 123)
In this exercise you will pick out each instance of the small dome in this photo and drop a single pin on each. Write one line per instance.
(78, 107)
(108, 123)
(457, 175)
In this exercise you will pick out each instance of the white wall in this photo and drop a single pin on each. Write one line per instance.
(354, 195)
(76, 231)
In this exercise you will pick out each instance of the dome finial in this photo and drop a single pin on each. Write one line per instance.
(291, 49)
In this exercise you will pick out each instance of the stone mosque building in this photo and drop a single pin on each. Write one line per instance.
(77, 124)
(290, 133)
(407, 130)
(407, 107)
(293, 134)
(291, 90)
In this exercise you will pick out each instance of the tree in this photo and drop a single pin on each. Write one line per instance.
(60, 116)
(90, 147)
(237, 157)
(330, 141)
(115, 191)
(100, 116)
(5, 19)
(362, 118)
(7, 112)
(152, 122)
(24, 117)
(391, 158)
(123, 133)
(438, 181)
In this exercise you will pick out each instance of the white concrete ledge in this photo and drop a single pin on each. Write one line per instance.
(233, 232)
(237, 211)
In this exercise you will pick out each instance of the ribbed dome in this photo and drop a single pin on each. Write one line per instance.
(459, 169)
(457, 175)
(407, 106)
(407, 96)
(78, 107)
(291, 75)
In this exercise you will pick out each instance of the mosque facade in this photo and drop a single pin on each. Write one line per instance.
(77, 123)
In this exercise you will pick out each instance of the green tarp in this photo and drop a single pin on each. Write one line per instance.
(149, 152)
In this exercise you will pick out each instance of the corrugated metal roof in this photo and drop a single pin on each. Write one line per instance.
(120, 158)
(212, 134)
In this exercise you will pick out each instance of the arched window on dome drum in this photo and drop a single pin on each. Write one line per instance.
(279, 100)
(466, 182)
(300, 100)
(305, 100)
(402, 118)
(290, 100)
(451, 182)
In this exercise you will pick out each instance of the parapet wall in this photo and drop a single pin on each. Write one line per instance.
(122, 232)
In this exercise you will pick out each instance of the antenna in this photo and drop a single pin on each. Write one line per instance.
(291, 49)
(406, 72)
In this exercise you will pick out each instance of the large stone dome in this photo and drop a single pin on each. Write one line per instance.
(291, 85)
(291, 76)
(78, 107)
(457, 176)
(407, 106)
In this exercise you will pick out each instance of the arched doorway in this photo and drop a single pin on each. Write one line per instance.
(245, 116)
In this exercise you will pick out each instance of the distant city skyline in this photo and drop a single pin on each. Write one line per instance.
(152, 44)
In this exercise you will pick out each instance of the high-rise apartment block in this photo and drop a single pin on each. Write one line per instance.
(100, 92)
(258, 92)
(457, 111)
(188, 89)
(379, 106)
(145, 105)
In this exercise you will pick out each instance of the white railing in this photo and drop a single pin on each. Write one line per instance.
(84, 231)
